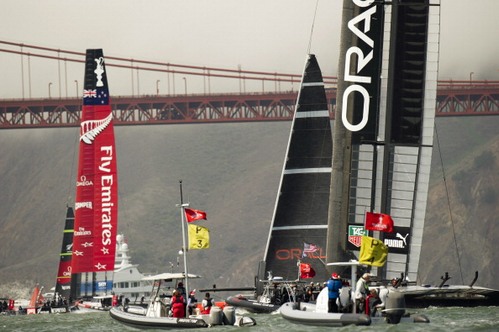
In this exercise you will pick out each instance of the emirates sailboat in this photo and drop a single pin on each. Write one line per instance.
(96, 204)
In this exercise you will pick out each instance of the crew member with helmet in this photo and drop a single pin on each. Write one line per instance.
(192, 302)
(333, 285)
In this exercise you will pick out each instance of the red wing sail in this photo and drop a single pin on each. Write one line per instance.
(35, 296)
(96, 206)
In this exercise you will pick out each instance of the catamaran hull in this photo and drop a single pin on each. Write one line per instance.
(449, 296)
(89, 309)
(47, 311)
(252, 305)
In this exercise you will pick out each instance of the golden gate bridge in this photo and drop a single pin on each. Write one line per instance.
(454, 98)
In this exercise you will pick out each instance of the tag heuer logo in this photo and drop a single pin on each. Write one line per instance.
(355, 234)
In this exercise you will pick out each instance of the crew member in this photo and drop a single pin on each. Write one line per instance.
(192, 302)
(207, 304)
(177, 305)
(333, 285)
(361, 291)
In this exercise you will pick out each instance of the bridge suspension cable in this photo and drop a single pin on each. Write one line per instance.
(166, 67)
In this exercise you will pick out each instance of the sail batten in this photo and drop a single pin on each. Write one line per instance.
(308, 170)
(313, 114)
(308, 84)
(283, 228)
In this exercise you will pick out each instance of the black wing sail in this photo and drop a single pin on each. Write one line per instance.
(63, 284)
(299, 224)
(391, 129)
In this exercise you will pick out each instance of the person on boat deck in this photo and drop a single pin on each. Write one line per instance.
(333, 285)
(317, 289)
(372, 302)
(297, 293)
(276, 294)
(309, 293)
(181, 289)
(207, 304)
(183, 293)
(383, 292)
(177, 305)
(395, 282)
(284, 295)
(192, 301)
(361, 291)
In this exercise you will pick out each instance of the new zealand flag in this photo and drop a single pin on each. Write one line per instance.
(98, 96)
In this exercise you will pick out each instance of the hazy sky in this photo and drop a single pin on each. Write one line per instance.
(260, 35)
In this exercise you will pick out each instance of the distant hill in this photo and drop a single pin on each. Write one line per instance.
(232, 172)
(463, 207)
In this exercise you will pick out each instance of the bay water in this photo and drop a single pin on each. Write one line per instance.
(441, 319)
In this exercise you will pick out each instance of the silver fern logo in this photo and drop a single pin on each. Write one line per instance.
(91, 128)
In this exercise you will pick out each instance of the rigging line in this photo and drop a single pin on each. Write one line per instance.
(448, 202)
(312, 28)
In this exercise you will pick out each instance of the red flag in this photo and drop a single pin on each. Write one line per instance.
(379, 222)
(306, 271)
(193, 215)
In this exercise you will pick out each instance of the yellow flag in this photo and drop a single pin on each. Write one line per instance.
(199, 237)
(373, 251)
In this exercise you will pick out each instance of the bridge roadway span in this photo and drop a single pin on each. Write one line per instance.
(454, 98)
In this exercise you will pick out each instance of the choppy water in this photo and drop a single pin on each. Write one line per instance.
(442, 319)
